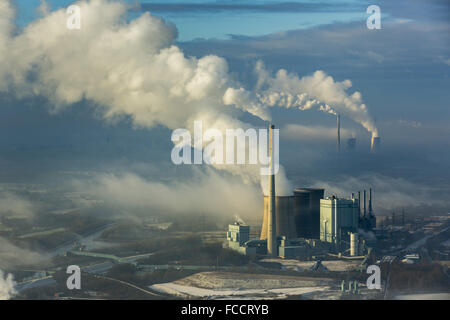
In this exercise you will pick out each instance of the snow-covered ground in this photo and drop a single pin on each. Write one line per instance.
(194, 292)
(331, 265)
(220, 285)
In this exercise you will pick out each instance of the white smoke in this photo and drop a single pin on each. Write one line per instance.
(7, 284)
(208, 192)
(12, 205)
(126, 69)
(318, 91)
(132, 69)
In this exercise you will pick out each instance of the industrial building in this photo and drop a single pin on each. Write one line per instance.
(307, 212)
(338, 219)
(238, 237)
(284, 217)
(305, 224)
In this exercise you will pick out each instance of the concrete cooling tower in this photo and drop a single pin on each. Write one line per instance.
(307, 212)
(285, 222)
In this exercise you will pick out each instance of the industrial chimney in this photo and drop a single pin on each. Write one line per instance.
(271, 225)
(370, 202)
(375, 144)
(364, 203)
(338, 120)
(359, 203)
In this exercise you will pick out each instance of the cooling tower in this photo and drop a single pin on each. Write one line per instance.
(375, 144)
(284, 217)
(307, 212)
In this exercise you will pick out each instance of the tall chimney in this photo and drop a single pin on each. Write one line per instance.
(364, 203)
(370, 201)
(359, 203)
(271, 223)
(338, 133)
(375, 144)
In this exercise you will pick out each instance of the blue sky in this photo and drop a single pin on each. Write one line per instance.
(218, 19)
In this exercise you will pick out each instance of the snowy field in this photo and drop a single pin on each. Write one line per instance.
(222, 285)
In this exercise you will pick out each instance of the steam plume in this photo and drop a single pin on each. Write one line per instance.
(318, 91)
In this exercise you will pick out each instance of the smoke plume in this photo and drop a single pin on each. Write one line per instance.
(133, 70)
(7, 284)
(318, 91)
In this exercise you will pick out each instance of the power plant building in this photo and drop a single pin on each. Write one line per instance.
(284, 217)
(238, 237)
(307, 212)
(338, 219)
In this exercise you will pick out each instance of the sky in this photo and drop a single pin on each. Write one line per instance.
(401, 71)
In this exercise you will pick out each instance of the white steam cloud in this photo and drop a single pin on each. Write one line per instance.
(12, 256)
(7, 284)
(12, 205)
(206, 192)
(318, 91)
(133, 69)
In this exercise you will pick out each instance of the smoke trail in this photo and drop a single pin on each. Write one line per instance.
(133, 70)
(7, 284)
(125, 69)
(318, 91)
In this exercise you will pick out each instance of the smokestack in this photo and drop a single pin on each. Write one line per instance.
(364, 203)
(375, 144)
(338, 133)
(271, 225)
(359, 203)
(370, 201)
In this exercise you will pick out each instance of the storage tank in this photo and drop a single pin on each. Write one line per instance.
(284, 214)
(307, 212)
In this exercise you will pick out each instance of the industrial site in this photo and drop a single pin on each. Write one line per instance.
(201, 150)
(304, 246)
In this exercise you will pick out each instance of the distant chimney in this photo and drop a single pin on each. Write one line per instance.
(271, 225)
(364, 203)
(375, 144)
(370, 202)
(359, 203)
(338, 120)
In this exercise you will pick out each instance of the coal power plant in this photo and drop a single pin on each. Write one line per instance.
(307, 224)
